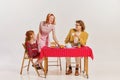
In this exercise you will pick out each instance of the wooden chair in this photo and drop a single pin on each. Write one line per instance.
(57, 61)
(30, 60)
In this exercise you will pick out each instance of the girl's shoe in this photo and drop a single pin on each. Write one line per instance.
(37, 66)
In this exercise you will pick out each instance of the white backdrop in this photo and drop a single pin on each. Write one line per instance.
(101, 17)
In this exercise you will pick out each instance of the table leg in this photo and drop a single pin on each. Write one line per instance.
(86, 66)
(45, 65)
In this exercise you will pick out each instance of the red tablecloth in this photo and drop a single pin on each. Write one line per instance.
(66, 52)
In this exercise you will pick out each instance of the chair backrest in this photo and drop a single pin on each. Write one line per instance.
(24, 47)
(53, 44)
(25, 54)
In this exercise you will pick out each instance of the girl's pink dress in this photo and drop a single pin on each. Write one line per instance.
(44, 29)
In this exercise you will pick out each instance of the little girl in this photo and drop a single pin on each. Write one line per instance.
(32, 47)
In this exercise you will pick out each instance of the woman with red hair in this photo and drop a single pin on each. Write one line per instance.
(45, 28)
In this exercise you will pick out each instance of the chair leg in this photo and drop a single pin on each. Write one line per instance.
(22, 64)
(84, 65)
(28, 65)
(66, 67)
(87, 67)
(35, 67)
(60, 64)
(80, 65)
(57, 61)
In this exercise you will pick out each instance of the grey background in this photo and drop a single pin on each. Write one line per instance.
(101, 17)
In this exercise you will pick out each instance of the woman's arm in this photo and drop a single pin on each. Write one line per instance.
(83, 38)
(38, 36)
(39, 33)
(67, 39)
(54, 38)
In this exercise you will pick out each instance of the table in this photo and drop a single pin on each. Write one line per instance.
(84, 51)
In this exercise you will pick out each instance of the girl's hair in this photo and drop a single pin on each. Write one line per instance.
(81, 24)
(28, 35)
(48, 16)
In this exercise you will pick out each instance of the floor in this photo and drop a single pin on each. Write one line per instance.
(97, 71)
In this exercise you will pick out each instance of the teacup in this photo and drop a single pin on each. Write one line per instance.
(68, 45)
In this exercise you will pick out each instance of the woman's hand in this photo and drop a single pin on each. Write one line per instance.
(55, 39)
(62, 46)
(75, 35)
(59, 45)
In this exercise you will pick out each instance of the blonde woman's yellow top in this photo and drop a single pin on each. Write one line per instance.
(82, 38)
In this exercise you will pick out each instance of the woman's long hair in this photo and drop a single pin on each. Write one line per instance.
(81, 24)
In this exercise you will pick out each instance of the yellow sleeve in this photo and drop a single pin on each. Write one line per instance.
(67, 39)
(83, 38)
